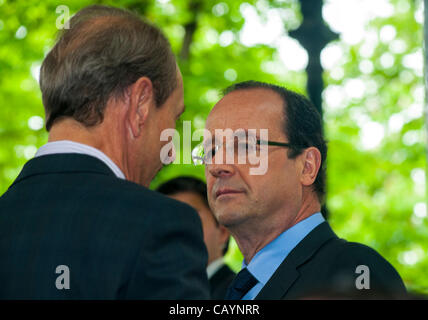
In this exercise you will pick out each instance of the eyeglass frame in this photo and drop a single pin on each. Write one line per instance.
(258, 142)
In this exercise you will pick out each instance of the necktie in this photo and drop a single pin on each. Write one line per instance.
(242, 283)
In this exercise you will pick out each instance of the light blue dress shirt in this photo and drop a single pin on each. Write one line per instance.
(267, 260)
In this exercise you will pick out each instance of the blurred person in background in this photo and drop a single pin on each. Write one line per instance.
(193, 191)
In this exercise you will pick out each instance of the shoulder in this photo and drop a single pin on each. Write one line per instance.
(133, 203)
(136, 195)
(334, 251)
(358, 253)
(350, 260)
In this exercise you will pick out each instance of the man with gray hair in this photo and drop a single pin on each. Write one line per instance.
(79, 221)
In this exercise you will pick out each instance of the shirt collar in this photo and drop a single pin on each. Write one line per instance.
(66, 146)
(267, 260)
(214, 266)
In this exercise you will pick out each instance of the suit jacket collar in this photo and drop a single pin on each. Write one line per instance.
(287, 273)
(63, 163)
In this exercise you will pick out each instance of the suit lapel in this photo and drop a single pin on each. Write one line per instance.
(287, 273)
(279, 284)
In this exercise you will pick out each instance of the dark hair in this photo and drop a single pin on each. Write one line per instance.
(303, 125)
(103, 52)
(189, 184)
(185, 184)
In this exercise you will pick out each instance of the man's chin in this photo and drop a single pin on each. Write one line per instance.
(157, 170)
(148, 179)
(229, 217)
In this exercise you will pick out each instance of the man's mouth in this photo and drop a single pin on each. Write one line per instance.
(226, 191)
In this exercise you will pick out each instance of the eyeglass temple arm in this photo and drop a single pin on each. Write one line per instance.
(275, 143)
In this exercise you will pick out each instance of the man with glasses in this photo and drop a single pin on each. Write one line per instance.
(289, 249)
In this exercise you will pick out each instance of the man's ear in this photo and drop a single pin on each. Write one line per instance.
(311, 159)
(140, 95)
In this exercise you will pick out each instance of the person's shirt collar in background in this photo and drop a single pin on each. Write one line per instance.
(214, 266)
(66, 146)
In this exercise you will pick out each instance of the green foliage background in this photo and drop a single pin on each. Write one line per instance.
(375, 196)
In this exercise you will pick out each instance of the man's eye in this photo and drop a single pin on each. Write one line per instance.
(243, 146)
(210, 153)
(247, 146)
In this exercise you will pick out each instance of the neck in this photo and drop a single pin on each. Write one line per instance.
(103, 137)
(212, 260)
(253, 236)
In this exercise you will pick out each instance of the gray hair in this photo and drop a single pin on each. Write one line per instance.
(104, 51)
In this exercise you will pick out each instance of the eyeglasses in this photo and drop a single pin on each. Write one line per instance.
(247, 146)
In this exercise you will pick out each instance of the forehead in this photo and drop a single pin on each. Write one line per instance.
(248, 109)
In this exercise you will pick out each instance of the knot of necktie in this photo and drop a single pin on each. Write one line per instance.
(242, 283)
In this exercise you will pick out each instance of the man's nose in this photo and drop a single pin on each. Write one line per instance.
(221, 170)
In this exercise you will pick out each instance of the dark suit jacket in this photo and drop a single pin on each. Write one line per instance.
(118, 239)
(220, 281)
(324, 266)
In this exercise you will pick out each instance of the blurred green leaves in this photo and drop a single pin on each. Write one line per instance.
(373, 106)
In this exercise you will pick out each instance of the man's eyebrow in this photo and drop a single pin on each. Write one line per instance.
(247, 133)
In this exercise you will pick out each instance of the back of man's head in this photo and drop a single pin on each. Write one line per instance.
(104, 51)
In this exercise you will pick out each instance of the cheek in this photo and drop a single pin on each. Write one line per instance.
(286, 184)
(207, 235)
(207, 230)
(161, 128)
(210, 236)
(274, 184)
(166, 121)
(210, 182)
